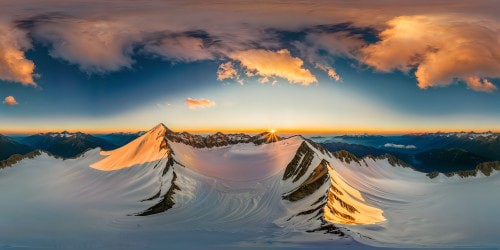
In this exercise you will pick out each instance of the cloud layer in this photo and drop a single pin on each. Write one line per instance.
(198, 103)
(400, 146)
(104, 36)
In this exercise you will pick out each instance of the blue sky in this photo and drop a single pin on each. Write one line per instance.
(318, 76)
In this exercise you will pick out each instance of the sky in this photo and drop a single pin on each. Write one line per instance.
(317, 67)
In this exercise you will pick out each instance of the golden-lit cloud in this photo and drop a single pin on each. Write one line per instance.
(443, 49)
(268, 63)
(227, 71)
(14, 67)
(198, 103)
(10, 100)
(103, 36)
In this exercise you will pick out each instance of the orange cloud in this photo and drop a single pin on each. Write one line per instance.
(227, 71)
(198, 103)
(10, 100)
(281, 63)
(441, 48)
(14, 66)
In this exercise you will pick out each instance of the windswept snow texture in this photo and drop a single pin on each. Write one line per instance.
(419, 211)
(236, 196)
(240, 162)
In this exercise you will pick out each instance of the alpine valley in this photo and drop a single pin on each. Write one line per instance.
(166, 189)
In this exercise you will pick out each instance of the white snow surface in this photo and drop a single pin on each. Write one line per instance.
(239, 162)
(230, 197)
(424, 212)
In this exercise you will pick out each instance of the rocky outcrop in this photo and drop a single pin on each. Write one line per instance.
(346, 157)
(17, 158)
(167, 200)
(394, 161)
(300, 163)
(220, 139)
(315, 180)
(486, 168)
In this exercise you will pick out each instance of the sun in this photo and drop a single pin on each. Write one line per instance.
(271, 136)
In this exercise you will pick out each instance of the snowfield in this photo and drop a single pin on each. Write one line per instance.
(155, 193)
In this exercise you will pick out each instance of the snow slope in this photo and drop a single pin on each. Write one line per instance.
(147, 148)
(154, 192)
(239, 162)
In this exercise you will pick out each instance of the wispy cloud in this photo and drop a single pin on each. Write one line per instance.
(198, 103)
(400, 146)
(180, 48)
(10, 100)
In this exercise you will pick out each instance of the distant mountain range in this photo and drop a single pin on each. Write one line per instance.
(9, 147)
(427, 152)
(66, 144)
(63, 144)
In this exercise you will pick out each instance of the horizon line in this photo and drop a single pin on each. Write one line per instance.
(256, 130)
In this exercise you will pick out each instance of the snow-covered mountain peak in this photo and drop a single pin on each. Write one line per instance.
(150, 147)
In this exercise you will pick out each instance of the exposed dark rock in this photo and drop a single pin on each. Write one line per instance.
(433, 174)
(167, 201)
(486, 168)
(318, 147)
(155, 196)
(300, 162)
(317, 178)
(312, 210)
(342, 215)
(321, 199)
(394, 161)
(220, 139)
(346, 157)
(328, 228)
(343, 204)
(17, 158)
